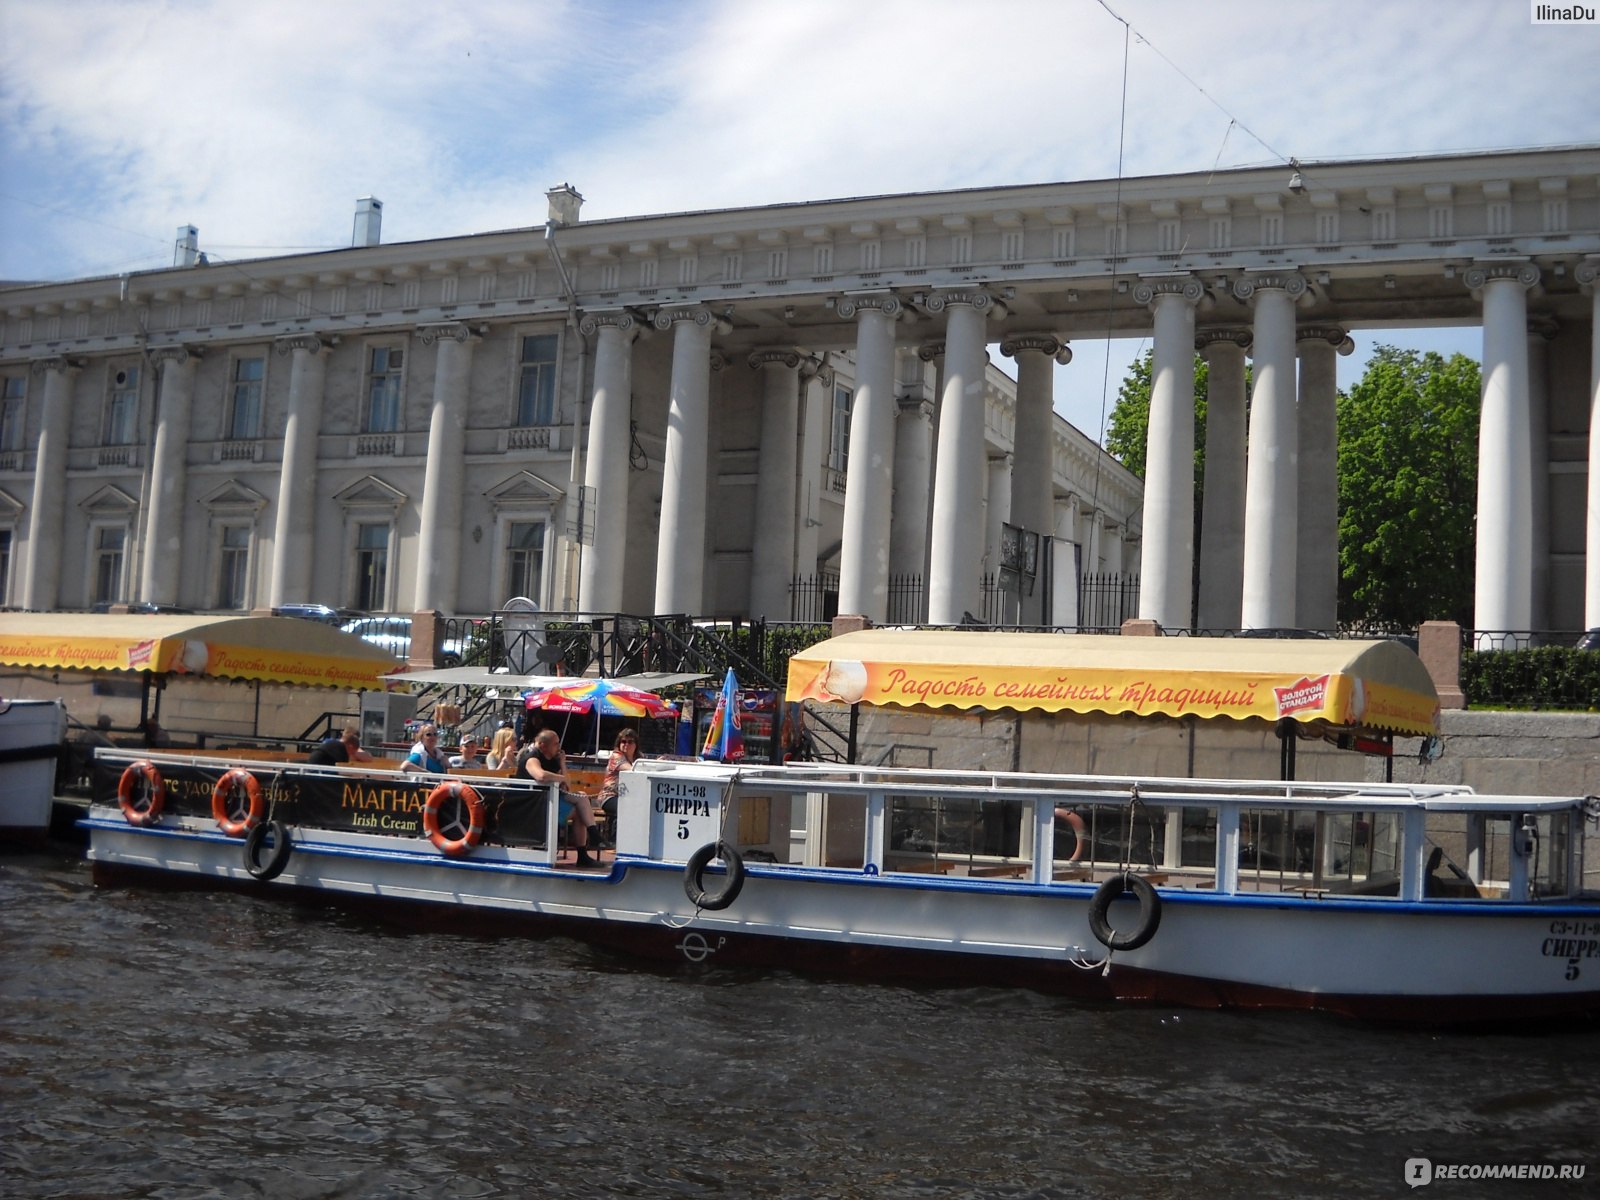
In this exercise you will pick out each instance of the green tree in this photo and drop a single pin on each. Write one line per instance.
(1408, 477)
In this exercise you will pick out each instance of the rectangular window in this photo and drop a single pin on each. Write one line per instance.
(525, 560)
(5, 566)
(244, 405)
(372, 567)
(109, 541)
(383, 390)
(233, 568)
(839, 429)
(536, 388)
(12, 412)
(122, 408)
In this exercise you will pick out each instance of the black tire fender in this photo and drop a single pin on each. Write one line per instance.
(694, 876)
(277, 860)
(1149, 911)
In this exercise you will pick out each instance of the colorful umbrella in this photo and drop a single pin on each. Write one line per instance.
(725, 738)
(613, 699)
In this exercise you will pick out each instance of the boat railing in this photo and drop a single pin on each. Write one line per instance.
(1353, 840)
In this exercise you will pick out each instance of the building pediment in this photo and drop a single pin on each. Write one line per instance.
(234, 497)
(371, 492)
(110, 501)
(522, 489)
(10, 506)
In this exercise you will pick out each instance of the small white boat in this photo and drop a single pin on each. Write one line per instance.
(1398, 903)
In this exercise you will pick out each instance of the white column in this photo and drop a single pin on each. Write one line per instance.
(1503, 598)
(1033, 444)
(1541, 332)
(1222, 508)
(681, 548)
(816, 394)
(869, 483)
(913, 468)
(439, 536)
(996, 510)
(1166, 583)
(1271, 527)
(956, 545)
(1588, 274)
(606, 464)
(42, 571)
(1064, 574)
(1316, 592)
(162, 562)
(772, 557)
(293, 538)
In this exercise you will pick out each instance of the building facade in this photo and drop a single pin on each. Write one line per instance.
(683, 413)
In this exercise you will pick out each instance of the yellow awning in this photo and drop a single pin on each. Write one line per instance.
(270, 649)
(1377, 685)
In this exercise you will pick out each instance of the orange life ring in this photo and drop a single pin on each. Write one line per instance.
(129, 791)
(1080, 832)
(223, 793)
(477, 817)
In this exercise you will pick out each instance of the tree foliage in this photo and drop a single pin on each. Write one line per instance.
(1408, 472)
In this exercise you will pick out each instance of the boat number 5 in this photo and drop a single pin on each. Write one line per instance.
(683, 831)
(1572, 968)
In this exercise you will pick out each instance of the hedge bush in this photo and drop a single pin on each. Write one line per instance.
(1547, 677)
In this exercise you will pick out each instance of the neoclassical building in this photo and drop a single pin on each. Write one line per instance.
(683, 413)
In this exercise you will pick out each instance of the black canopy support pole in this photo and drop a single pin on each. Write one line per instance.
(855, 717)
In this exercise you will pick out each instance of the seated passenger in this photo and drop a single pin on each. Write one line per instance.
(424, 755)
(468, 759)
(546, 762)
(345, 747)
(623, 756)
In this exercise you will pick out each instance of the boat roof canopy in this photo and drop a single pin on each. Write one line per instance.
(1378, 685)
(267, 649)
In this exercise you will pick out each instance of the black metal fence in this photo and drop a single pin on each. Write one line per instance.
(1104, 601)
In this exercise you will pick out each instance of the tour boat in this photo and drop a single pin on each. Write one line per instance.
(1415, 904)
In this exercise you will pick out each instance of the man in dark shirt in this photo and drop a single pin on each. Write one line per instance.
(330, 752)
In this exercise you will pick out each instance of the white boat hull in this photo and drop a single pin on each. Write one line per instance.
(1434, 962)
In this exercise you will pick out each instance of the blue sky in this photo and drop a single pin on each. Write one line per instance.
(262, 122)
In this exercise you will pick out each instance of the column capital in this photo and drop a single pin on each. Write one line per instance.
(1544, 326)
(818, 369)
(913, 404)
(309, 342)
(1481, 274)
(446, 331)
(178, 355)
(1588, 271)
(1333, 335)
(1291, 282)
(929, 351)
(1208, 338)
(1047, 344)
(886, 303)
(776, 356)
(618, 319)
(718, 360)
(975, 298)
(58, 362)
(698, 314)
(1186, 287)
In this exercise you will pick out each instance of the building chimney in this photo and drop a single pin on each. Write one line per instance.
(186, 250)
(565, 202)
(369, 222)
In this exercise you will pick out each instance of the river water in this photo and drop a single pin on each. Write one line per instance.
(195, 1044)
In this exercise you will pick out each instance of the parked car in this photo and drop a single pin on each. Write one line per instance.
(1590, 640)
(310, 612)
(394, 635)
